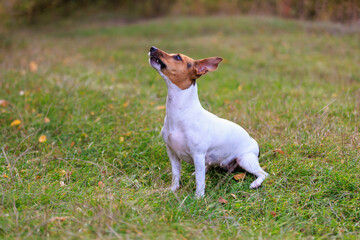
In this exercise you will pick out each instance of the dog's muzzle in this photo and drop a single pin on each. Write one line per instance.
(153, 54)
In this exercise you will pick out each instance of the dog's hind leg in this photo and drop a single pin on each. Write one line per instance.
(250, 163)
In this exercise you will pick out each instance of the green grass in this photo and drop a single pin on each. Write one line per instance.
(294, 86)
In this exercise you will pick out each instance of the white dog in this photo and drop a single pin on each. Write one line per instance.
(195, 135)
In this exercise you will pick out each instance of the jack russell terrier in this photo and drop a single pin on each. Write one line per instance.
(195, 135)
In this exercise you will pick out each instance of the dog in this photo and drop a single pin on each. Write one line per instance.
(195, 135)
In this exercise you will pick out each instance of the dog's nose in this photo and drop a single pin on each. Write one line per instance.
(153, 49)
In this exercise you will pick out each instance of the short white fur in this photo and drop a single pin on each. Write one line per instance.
(199, 137)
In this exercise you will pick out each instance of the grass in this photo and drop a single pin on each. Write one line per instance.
(294, 86)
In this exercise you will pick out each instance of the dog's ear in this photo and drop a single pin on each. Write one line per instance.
(205, 65)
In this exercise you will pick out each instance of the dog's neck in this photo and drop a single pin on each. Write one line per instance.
(179, 103)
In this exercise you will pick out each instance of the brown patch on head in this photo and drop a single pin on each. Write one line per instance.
(183, 70)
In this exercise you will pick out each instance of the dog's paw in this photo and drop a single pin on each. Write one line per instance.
(199, 195)
(174, 188)
(256, 184)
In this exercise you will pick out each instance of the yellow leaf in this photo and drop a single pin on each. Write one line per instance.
(42, 138)
(160, 107)
(33, 66)
(239, 176)
(121, 139)
(15, 123)
(92, 113)
(46, 120)
(125, 104)
(128, 134)
(239, 88)
(61, 172)
(5, 176)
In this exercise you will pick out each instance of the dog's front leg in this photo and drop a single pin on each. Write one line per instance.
(199, 162)
(176, 169)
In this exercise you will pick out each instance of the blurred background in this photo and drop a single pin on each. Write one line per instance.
(81, 112)
(32, 11)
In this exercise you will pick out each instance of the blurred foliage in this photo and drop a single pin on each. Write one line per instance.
(29, 11)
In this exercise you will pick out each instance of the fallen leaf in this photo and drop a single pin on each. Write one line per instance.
(3, 103)
(128, 134)
(161, 107)
(121, 139)
(42, 138)
(239, 176)
(222, 200)
(61, 172)
(101, 184)
(233, 195)
(84, 135)
(5, 176)
(239, 88)
(273, 213)
(279, 151)
(15, 123)
(111, 106)
(92, 113)
(68, 174)
(61, 219)
(62, 183)
(33, 66)
(38, 177)
(125, 104)
(46, 120)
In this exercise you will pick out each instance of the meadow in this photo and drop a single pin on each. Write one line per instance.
(81, 112)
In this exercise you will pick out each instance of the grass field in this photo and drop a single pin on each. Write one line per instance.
(89, 90)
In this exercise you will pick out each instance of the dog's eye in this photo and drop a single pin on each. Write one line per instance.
(177, 57)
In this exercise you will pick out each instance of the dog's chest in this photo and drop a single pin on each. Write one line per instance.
(177, 141)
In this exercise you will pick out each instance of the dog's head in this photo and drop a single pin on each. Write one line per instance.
(181, 70)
